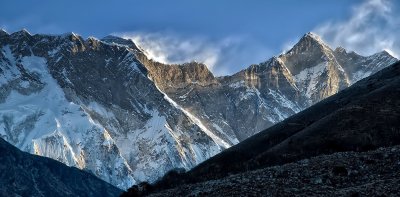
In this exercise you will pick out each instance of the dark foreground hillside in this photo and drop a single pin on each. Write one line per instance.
(23, 174)
(360, 118)
(374, 173)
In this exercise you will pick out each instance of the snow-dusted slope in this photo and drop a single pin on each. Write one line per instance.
(90, 105)
(104, 107)
(44, 122)
(359, 67)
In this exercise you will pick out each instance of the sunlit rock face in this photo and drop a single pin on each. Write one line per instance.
(103, 106)
(238, 106)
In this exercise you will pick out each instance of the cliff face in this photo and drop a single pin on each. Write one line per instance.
(345, 144)
(171, 77)
(103, 106)
(238, 106)
(315, 69)
(90, 104)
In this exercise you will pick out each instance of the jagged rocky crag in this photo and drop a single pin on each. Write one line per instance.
(103, 106)
(360, 118)
(261, 95)
(23, 174)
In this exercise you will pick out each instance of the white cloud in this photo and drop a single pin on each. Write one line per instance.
(372, 27)
(224, 56)
(173, 49)
(289, 45)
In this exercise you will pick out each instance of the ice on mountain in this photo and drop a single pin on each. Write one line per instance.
(309, 77)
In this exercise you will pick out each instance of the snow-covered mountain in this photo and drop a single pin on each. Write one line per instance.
(103, 106)
(91, 105)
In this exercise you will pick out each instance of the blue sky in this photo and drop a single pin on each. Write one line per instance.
(227, 35)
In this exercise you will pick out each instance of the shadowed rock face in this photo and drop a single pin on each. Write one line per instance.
(103, 106)
(360, 118)
(23, 174)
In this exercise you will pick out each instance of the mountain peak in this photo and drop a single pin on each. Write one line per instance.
(383, 54)
(111, 39)
(71, 35)
(387, 52)
(340, 50)
(312, 37)
(22, 32)
(92, 42)
(92, 38)
(310, 43)
(3, 32)
(308, 55)
(25, 31)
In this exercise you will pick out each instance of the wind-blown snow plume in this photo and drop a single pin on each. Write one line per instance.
(222, 56)
(372, 27)
(167, 48)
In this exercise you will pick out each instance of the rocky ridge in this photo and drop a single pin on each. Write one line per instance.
(360, 118)
(103, 106)
(238, 106)
(90, 104)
